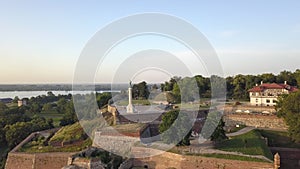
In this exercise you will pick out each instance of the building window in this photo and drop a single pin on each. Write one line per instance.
(268, 101)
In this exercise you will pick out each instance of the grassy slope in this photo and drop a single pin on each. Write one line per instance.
(69, 133)
(232, 157)
(72, 132)
(250, 143)
(279, 139)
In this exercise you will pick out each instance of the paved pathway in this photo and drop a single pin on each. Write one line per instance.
(242, 131)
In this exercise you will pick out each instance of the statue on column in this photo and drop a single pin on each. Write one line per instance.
(130, 107)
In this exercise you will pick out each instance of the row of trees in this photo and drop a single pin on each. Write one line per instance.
(15, 125)
(236, 86)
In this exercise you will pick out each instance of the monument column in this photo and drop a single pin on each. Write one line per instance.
(130, 108)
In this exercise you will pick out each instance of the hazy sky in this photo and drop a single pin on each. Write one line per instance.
(40, 41)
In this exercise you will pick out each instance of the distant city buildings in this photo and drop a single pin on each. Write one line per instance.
(266, 94)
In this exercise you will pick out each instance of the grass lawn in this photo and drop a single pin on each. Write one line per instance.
(52, 114)
(135, 102)
(279, 139)
(38, 147)
(250, 143)
(69, 133)
(55, 117)
(233, 157)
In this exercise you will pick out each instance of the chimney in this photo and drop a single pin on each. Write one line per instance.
(261, 82)
(285, 82)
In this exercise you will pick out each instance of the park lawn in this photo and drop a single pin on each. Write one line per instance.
(135, 102)
(279, 139)
(250, 143)
(233, 157)
(52, 114)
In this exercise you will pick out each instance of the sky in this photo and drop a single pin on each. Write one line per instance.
(41, 41)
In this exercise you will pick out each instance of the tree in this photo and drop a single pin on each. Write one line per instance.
(175, 128)
(61, 104)
(3, 107)
(15, 133)
(288, 108)
(286, 76)
(140, 91)
(70, 115)
(103, 98)
(229, 86)
(16, 99)
(47, 107)
(219, 133)
(267, 78)
(297, 77)
(239, 83)
(176, 93)
(170, 97)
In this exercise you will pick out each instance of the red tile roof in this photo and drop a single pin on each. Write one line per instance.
(264, 86)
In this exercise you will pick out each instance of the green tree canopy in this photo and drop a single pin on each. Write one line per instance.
(175, 128)
(219, 133)
(3, 107)
(288, 108)
(140, 91)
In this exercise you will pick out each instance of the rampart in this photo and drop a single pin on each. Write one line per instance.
(258, 121)
(17, 160)
(176, 161)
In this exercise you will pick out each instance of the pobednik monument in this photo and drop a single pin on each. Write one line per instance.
(130, 108)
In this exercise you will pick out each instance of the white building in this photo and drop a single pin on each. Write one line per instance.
(22, 102)
(266, 94)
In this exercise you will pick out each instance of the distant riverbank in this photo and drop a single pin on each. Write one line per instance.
(29, 94)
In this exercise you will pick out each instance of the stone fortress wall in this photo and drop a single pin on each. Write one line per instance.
(229, 109)
(176, 161)
(258, 121)
(17, 160)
